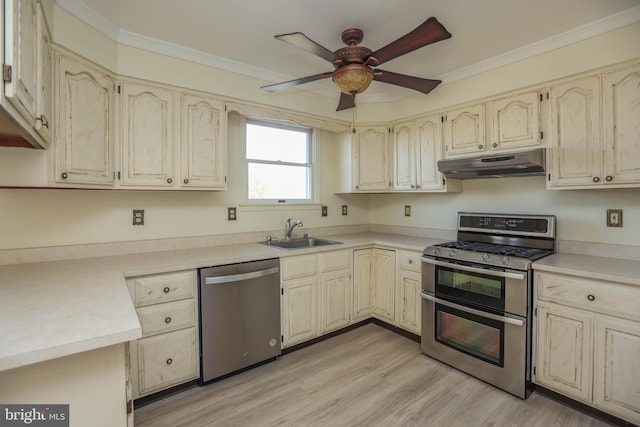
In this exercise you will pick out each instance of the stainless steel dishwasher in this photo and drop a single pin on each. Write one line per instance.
(239, 317)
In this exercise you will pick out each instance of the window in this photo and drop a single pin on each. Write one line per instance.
(279, 164)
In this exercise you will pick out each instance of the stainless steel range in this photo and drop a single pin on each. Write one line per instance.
(477, 296)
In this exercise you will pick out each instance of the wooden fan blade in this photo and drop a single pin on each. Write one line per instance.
(415, 83)
(346, 102)
(291, 83)
(430, 31)
(304, 42)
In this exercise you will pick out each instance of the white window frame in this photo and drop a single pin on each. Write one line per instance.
(312, 163)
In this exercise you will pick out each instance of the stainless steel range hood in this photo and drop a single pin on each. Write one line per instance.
(527, 163)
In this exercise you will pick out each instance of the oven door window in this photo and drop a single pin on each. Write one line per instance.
(474, 335)
(473, 288)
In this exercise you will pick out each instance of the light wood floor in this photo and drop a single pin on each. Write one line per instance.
(367, 377)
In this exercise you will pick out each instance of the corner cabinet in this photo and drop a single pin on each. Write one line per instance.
(588, 339)
(417, 147)
(594, 122)
(374, 284)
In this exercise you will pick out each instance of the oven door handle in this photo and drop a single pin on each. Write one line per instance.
(506, 274)
(506, 319)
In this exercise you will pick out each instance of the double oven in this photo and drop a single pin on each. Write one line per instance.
(477, 297)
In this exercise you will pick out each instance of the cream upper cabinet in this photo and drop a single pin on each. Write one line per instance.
(575, 133)
(203, 142)
(588, 338)
(28, 69)
(84, 145)
(464, 130)
(404, 158)
(622, 126)
(147, 139)
(371, 152)
(515, 121)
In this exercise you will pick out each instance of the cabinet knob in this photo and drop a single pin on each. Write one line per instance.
(591, 297)
(494, 145)
(64, 175)
(186, 181)
(418, 186)
(479, 146)
(596, 179)
(169, 361)
(413, 186)
(166, 289)
(167, 320)
(169, 180)
(608, 178)
(410, 261)
(357, 186)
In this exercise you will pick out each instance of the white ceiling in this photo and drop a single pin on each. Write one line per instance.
(238, 35)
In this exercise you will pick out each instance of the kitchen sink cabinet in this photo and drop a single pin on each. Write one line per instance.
(374, 284)
(408, 288)
(299, 275)
(593, 131)
(27, 69)
(588, 337)
(167, 353)
(335, 290)
(84, 146)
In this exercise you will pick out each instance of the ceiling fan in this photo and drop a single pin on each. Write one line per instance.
(354, 64)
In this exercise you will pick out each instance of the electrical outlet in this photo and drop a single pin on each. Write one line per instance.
(138, 217)
(407, 210)
(614, 217)
(344, 210)
(231, 214)
(324, 211)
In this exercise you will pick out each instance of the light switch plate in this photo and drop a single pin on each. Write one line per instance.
(407, 210)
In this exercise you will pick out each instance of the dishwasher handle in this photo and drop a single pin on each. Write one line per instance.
(238, 277)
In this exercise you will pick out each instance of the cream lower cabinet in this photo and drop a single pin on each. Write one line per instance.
(335, 290)
(588, 342)
(374, 284)
(167, 353)
(299, 276)
(408, 288)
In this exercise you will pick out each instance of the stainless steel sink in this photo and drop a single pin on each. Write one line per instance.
(310, 242)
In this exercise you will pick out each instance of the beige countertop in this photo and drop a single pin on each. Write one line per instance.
(54, 309)
(609, 269)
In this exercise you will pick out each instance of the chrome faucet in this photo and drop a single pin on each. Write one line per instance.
(290, 226)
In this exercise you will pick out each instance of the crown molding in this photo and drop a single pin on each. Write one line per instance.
(127, 38)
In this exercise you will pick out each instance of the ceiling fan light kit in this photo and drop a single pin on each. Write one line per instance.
(354, 64)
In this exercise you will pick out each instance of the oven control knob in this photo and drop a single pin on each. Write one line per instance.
(452, 253)
(506, 260)
(435, 251)
(486, 257)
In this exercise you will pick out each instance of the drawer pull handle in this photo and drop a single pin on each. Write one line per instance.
(591, 297)
(169, 361)
(166, 289)
(167, 320)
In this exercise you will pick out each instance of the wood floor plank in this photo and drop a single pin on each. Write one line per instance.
(366, 377)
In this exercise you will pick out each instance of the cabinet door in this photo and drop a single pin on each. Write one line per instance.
(44, 105)
(564, 354)
(428, 152)
(21, 53)
(516, 121)
(146, 132)
(622, 121)
(203, 142)
(383, 278)
(362, 295)
(465, 130)
(408, 302)
(335, 300)
(299, 310)
(404, 161)
(84, 144)
(371, 157)
(576, 154)
(617, 374)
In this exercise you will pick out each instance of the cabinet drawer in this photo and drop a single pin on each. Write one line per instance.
(299, 266)
(147, 290)
(594, 295)
(409, 261)
(167, 317)
(165, 360)
(336, 260)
